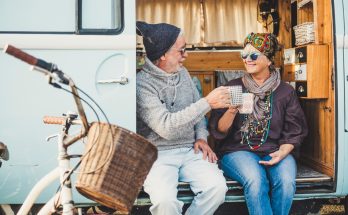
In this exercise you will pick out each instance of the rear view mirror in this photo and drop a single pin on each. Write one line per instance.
(4, 153)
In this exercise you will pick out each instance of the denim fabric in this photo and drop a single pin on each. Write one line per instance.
(267, 190)
(182, 164)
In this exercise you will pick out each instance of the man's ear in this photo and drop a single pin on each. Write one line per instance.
(163, 57)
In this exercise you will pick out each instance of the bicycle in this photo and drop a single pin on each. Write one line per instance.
(63, 196)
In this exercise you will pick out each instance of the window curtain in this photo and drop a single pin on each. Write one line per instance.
(182, 13)
(204, 22)
(224, 76)
(229, 20)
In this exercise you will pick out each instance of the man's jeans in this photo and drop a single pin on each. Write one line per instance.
(267, 190)
(182, 164)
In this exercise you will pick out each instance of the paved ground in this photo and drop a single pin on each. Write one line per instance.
(299, 208)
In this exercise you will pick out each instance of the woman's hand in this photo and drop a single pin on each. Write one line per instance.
(279, 155)
(207, 151)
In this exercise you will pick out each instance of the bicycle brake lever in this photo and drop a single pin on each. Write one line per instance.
(51, 136)
(60, 76)
(55, 74)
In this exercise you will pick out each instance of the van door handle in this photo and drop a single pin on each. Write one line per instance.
(122, 80)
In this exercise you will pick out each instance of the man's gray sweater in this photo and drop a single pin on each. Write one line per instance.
(170, 113)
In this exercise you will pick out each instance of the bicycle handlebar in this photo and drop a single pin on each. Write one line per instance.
(51, 70)
(17, 53)
(54, 120)
(59, 120)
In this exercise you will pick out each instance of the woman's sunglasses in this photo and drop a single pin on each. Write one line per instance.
(253, 55)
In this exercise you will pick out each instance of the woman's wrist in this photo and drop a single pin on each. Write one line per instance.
(285, 149)
(226, 120)
(232, 110)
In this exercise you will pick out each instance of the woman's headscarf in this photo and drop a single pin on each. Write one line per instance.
(266, 43)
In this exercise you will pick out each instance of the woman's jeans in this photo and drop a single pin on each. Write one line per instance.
(267, 189)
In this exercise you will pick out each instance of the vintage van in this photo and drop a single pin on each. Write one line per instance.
(95, 43)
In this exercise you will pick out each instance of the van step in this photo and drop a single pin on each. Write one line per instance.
(304, 175)
(308, 180)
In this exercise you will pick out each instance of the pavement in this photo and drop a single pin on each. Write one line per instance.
(299, 208)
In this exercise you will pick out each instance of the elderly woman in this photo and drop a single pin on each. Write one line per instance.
(256, 148)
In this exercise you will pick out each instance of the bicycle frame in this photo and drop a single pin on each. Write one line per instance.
(63, 171)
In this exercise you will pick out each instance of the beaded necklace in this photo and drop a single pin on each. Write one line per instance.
(256, 127)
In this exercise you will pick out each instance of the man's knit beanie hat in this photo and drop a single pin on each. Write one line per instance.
(157, 38)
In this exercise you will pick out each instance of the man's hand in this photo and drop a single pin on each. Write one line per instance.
(205, 148)
(219, 98)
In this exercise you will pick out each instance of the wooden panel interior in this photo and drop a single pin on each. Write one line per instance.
(318, 149)
(289, 74)
(218, 60)
(207, 80)
(305, 13)
(211, 61)
(284, 36)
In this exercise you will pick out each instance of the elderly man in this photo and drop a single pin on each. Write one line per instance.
(170, 114)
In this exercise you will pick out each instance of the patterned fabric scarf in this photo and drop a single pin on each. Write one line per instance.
(260, 106)
(266, 43)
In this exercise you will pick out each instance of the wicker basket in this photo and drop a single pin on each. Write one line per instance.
(304, 33)
(114, 166)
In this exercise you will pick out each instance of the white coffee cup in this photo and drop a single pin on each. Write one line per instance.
(236, 95)
(247, 103)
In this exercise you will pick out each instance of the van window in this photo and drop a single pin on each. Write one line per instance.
(100, 16)
(61, 16)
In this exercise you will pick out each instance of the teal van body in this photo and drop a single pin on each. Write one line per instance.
(90, 52)
(341, 59)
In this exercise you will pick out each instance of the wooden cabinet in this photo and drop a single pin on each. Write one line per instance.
(319, 13)
(309, 69)
(289, 73)
(206, 79)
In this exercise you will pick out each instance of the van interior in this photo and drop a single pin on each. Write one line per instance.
(214, 32)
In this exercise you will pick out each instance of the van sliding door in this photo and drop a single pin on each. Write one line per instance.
(344, 40)
(341, 62)
(93, 42)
